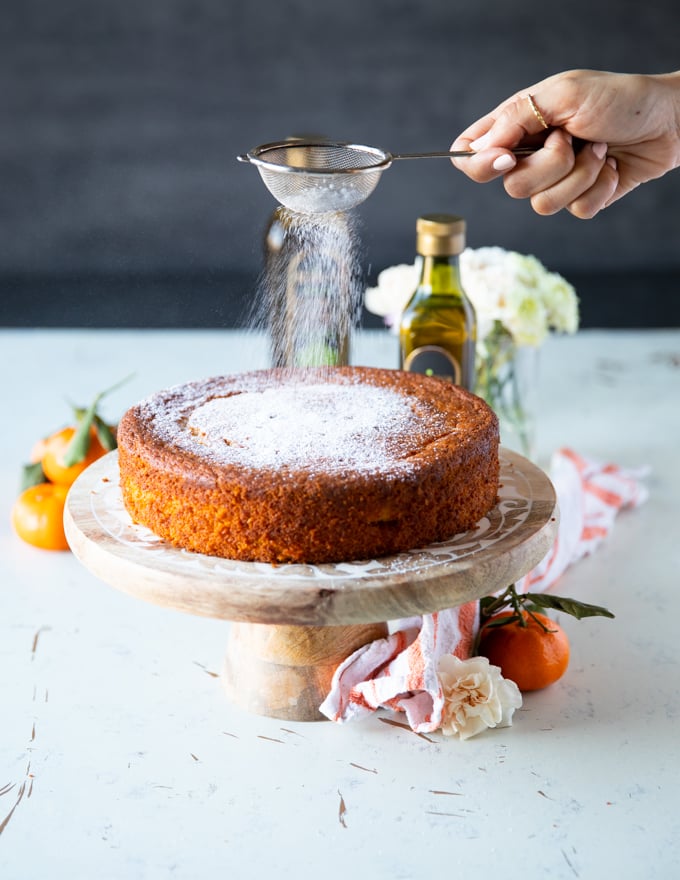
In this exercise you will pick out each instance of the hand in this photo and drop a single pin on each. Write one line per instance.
(607, 133)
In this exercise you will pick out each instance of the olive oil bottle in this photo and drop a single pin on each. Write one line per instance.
(438, 327)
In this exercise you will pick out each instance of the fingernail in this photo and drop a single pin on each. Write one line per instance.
(482, 142)
(504, 162)
(611, 161)
(599, 150)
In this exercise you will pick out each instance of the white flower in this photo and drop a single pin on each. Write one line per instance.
(505, 287)
(526, 317)
(517, 291)
(395, 287)
(562, 304)
(476, 696)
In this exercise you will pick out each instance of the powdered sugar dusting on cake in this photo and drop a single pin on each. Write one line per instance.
(298, 425)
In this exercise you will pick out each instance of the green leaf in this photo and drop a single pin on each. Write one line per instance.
(104, 434)
(32, 475)
(80, 442)
(577, 609)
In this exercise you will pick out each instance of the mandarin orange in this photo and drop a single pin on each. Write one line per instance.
(533, 655)
(38, 516)
(55, 446)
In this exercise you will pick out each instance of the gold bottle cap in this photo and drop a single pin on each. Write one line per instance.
(440, 235)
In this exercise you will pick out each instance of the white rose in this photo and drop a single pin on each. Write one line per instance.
(476, 696)
(562, 304)
(557, 297)
(526, 317)
(484, 276)
(506, 288)
(395, 287)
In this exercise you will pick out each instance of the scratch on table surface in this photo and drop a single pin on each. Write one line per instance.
(270, 739)
(405, 727)
(26, 786)
(5, 822)
(36, 638)
(206, 670)
(342, 811)
(359, 767)
(568, 861)
(437, 813)
(226, 733)
(194, 757)
(441, 791)
(294, 732)
(543, 794)
(35, 694)
(395, 723)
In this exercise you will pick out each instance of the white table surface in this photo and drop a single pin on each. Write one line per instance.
(134, 765)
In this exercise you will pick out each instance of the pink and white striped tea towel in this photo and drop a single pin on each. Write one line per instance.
(400, 671)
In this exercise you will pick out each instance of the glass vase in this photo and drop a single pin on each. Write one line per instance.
(507, 379)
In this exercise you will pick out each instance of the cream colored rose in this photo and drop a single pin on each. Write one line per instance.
(395, 287)
(507, 289)
(476, 696)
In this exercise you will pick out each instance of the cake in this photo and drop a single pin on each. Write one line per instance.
(309, 465)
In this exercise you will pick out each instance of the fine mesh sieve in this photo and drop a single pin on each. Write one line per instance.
(319, 176)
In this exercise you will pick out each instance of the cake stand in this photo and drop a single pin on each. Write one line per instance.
(293, 624)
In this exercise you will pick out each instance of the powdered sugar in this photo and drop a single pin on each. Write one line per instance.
(309, 296)
(300, 424)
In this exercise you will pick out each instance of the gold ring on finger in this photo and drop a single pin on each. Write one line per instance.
(537, 113)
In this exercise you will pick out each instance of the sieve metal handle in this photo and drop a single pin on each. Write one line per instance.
(456, 154)
(449, 154)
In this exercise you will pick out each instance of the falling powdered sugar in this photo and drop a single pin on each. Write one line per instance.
(310, 292)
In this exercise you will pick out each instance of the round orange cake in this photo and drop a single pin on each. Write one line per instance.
(310, 465)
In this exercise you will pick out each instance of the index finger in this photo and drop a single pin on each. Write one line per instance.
(474, 131)
(517, 119)
(493, 137)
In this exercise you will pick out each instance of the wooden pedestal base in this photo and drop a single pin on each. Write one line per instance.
(292, 626)
(286, 671)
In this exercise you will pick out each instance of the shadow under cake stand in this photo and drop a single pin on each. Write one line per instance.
(292, 625)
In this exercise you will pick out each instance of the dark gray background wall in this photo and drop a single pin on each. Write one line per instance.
(121, 202)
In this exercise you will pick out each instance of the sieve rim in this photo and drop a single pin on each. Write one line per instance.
(256, 157)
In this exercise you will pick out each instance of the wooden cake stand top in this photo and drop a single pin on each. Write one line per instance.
(506, 544)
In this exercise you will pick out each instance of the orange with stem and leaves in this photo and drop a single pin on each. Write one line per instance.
(56, 462)
(531, 649)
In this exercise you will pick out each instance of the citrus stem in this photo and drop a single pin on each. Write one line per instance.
(518, 602)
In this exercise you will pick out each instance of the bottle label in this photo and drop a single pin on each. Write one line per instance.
(434, 361)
